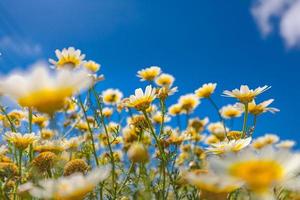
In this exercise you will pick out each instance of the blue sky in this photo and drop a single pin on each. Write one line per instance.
(196, 41)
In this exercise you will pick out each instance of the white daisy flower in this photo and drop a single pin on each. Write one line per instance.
(244, 94)
(149, 74)
(68, 58)
(229, 146)
(75, 186)
(112, 96)
(259, 171)
(142, 100)
(43, 91)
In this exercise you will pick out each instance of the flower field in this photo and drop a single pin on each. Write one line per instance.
(69, 140)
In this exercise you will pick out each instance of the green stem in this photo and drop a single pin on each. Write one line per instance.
(163, 156)
(245, 120)
(29, 120)
(219, 114)
(30, 131)
(130, 168)
(127, 178)
(164, 180)
(254, 124)
(49, 173)
(163, 112)
(90, 131)
(12, 126)
(108, 142)
(175, 173)
(161, 150)
(20, 164)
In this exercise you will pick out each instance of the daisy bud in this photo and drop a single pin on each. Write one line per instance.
(44, 161)
(138, 153)
(75, 166)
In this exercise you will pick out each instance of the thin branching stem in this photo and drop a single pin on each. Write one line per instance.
(219, 114)
(161, 150)
(12, 126)
(108, 142)
(90, 131)
(245, 120)
(30, 131)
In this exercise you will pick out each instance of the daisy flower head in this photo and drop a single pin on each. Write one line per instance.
(107, 112)
(266, 140)
(206, 90)
(259, 171)
(55, 146)
(229, 146)
(91, 66)
(211, 184)
(159, 118)
(75, 166)
(68, 58)
(286, 144)
(257, 109)
(165, 80)
(211, 139)
(40, 120)
(164, 92)
(230, 111)
(174, 137)
(217, 129)
(71, 105)
(137, 152)
(152, 109)
(175, 109)
(142, 100)
(47, 134)
(198, 124)
(44, 161)
(244, 94)
(149, 74)
(43, 91)
(75, 186)
(188, 102)
(16, 114)
(112, 96)
(16, 117)
(234, 134)
(137, 122)
(73, 143)
(20, 141)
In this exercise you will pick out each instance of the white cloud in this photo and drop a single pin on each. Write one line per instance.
(290, 25)
(287, 12)
(39, 63)
(19, 48)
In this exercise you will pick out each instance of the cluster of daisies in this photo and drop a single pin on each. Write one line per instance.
(64, 139)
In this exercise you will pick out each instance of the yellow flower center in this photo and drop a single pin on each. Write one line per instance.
(47, 100)
(259, 175)
(188, 104)
(69, 61)
(245, 98)
(141, 104)
(255, 109)
(149, 75)
(94, 67)
(78, 194)
(205, 92)
(112, 98)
